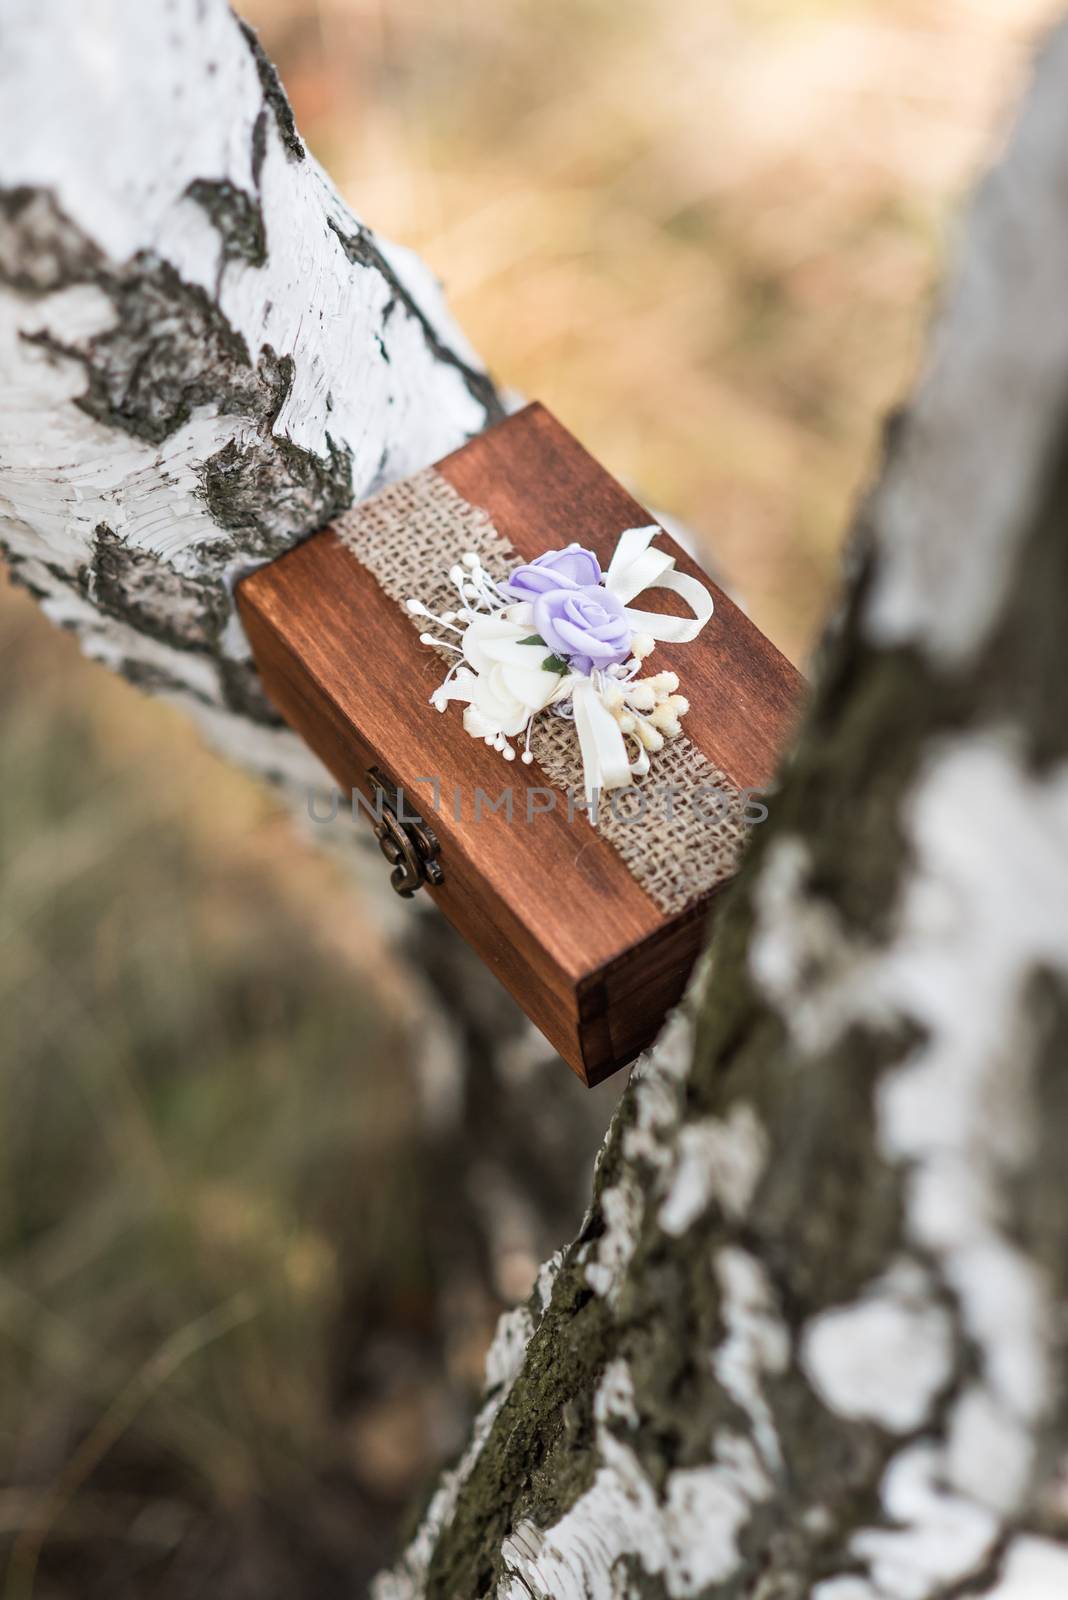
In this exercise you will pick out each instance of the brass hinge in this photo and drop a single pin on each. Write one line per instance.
(408, 843)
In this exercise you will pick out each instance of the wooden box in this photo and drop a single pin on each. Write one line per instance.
(593, 930)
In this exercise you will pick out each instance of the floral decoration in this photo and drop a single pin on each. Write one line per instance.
(559, 638)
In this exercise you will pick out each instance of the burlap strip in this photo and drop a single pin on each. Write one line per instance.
(407, 537)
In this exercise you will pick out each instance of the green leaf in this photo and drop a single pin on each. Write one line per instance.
(554, 664)
(532, 638)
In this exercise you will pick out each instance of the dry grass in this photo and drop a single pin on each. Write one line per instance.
(704, 233)
(210, 1150)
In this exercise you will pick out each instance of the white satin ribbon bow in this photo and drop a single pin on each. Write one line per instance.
(606, 763)
(634, 567)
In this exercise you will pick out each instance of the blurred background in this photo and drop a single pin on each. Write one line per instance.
(707, 235)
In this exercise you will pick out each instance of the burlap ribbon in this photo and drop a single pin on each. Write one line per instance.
(407, 537)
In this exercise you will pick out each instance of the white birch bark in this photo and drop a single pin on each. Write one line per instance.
(810, 1341)
(203, 355)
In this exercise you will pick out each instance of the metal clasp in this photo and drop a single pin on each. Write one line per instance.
(408, 843)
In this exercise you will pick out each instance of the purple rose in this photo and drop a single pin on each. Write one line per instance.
(573, 568)
(586, 625)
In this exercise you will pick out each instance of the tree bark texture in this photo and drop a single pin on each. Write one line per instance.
(810, 1341)
(810, 1338)
(203, 356)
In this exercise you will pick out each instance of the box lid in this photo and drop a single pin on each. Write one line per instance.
(592, 929)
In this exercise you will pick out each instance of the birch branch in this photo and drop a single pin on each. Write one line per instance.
(204, 355)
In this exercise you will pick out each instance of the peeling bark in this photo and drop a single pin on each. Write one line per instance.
(203, 356)
(809, 1341)
(207, 354)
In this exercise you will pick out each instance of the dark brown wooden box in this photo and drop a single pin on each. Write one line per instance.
(549, 905)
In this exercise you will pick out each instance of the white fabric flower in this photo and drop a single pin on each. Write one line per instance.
(509, 680)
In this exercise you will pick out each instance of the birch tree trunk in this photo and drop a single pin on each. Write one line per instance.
(810, 1338)
(810, 1341)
